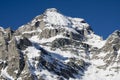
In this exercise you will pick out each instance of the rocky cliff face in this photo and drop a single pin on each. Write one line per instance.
(56, 47)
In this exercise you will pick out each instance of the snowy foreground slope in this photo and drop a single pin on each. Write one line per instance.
(57, 47)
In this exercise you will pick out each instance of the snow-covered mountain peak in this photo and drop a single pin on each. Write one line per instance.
(52, 23)
(52, 16)
(114, 37)
(57, 47)
(116, 33)
(51, 10)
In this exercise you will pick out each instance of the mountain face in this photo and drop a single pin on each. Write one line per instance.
(57, 47)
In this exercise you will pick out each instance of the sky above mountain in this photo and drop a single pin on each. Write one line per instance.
(102, 15)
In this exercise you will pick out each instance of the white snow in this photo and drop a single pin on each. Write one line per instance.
(32, 52)
(77, 19)
(47, 75)
(5, 74)
(44, 40)
(2, 29)
(56, 18)
(77, 23)
(98, 62)
(102, 54)
(48, 26)
(94, 73)
(58, 51)
(71, 30)
(95, 41)
(119, 52)
(34, 39)
(33, 31)
(18, 38)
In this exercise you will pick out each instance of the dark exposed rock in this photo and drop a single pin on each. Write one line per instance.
(24, 43)
(60, 42)
(15, 59)
(65, 70)
(47, 33)
(37, 23)
(9, 34)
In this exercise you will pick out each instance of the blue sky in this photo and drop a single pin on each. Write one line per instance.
(102, 15)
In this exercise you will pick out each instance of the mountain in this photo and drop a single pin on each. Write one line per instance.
(53, 46)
